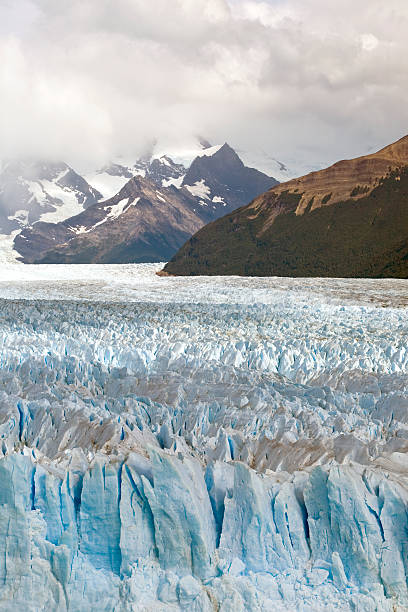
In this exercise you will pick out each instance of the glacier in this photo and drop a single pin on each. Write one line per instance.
(201, 444)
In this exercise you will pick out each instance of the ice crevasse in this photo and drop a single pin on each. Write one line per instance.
(202, 457)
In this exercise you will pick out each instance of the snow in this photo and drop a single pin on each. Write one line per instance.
(70, 206)
(82, 229)
(37, 192)
(282, 168)
(41, 199)
(115, 210)
(175, 182)
(201, 443)
(8, 255)
(165, 161)
(209, 152)
(186, 155)
(21, 216)
(108, 185)
(199, 189)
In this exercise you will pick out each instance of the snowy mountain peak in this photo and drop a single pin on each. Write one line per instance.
(220, 177)
(112, 178)
(31, 191)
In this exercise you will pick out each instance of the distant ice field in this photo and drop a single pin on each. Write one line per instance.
(140, 283)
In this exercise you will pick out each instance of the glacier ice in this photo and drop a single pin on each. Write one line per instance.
(203, 456)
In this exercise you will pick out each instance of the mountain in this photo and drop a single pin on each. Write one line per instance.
(140, 223)
(162, 170)
(151, 216)
(349, 220)
(281, 167)
(222, 178)
(30, 191)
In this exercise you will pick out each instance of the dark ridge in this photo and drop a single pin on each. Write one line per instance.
(367, 237)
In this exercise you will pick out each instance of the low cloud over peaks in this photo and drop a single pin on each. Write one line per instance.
(91, 79)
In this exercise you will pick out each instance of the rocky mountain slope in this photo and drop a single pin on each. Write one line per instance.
(151, 216)
(348, 220)
(140, 223)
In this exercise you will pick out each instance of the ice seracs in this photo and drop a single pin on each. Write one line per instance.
(179, 456)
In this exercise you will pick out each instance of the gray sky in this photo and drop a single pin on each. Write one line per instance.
(86, 80)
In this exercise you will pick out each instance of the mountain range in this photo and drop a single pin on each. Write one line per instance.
(348, 220)
(133, 212)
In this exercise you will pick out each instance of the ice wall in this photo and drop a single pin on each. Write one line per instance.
(159, 457)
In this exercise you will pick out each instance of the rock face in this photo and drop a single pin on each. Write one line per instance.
(151, 216)
(198, 457)
(350, 220)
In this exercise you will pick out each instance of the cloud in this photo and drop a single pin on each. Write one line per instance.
(87, 80)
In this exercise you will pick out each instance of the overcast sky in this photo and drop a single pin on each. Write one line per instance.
(86, 80)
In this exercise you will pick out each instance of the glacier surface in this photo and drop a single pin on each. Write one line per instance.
(201, 444)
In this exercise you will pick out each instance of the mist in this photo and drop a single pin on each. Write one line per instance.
(89, 80)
